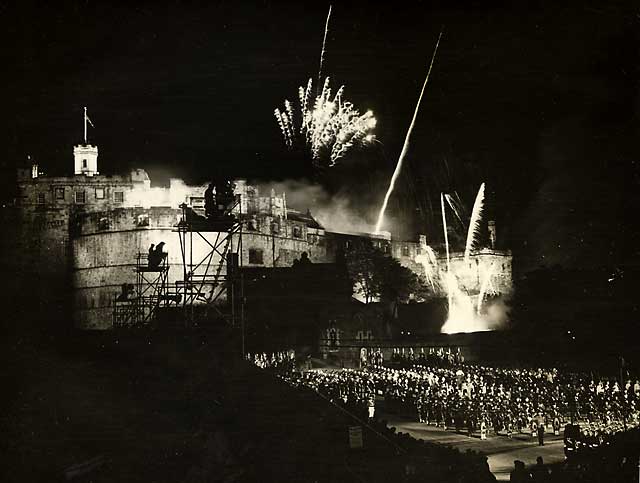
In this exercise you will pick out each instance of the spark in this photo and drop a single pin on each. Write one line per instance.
(474, 223)
(446, 243)
(463, 314)
(452, 204)
(484, 287)
(405, 147)
(324, 42)
(429, 262)
(329, 127)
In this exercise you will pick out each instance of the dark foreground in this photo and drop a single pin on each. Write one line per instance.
(170, 407)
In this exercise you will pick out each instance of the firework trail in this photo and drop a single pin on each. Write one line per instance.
(328, 128)
(452, 204)
(474, 223)
(405, 147)
(324, 43)
(429, 262)
(446, 244)
(485, 286)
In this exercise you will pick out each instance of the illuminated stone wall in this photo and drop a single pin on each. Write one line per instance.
(485, 265)
(76, 239)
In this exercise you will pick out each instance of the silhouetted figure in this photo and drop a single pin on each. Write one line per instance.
(541, 434)
(540, 472)
(151, 256)
(127, 291)
(209, 202)
(519, 473)
(156, 256)
(483, 473)
(304, 259)
(224, 194)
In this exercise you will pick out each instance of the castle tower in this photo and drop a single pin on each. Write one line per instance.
(85, 155)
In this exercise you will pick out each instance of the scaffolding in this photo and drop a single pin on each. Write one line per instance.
(138, 305)
(210, 288)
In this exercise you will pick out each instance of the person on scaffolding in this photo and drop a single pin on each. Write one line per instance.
(151, 255)
(209, 202)
(224, 194)
(157, 256)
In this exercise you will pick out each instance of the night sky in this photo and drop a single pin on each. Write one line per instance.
(542, 104)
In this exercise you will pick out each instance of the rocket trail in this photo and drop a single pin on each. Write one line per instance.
(324, 42)
(405, 147)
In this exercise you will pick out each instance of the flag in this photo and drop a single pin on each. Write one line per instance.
(88, 120)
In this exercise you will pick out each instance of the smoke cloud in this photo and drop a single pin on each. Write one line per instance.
(343, 211)
(496, 313)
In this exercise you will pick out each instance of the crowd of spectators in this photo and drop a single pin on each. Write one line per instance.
(437, 388)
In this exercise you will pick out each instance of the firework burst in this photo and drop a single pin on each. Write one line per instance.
(329, 126)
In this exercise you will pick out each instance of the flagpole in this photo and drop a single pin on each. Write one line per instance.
(85, 125)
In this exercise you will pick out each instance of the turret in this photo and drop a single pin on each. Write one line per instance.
(85, 155)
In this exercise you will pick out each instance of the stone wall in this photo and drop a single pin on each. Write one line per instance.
(76, 239)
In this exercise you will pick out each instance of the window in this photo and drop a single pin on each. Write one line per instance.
(405, 251)
(255, 256)
(99, 193)
(333, 337)
(143, 220)
(80, 198)
(40, 199)
(103, 224)
(297, 232)
(118, 196)
(59, 193)
(275, 228)
(364, 335)
(84, 164)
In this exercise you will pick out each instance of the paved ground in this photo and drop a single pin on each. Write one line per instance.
(500, 450)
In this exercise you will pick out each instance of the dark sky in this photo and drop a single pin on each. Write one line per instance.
(540, 103)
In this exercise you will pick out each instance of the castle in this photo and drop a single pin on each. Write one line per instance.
(81, 235)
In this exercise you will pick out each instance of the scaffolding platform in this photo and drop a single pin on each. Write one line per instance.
(196, 222)
(137, 305)
(210, 278)
(210, 289)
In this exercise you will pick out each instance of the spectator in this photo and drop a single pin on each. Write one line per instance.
(540, 472)
(519, 473)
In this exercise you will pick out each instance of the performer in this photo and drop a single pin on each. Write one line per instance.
(556, 426)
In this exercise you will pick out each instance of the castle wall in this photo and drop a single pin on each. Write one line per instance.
(105, 246)
(485, 267)
(81, 235)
